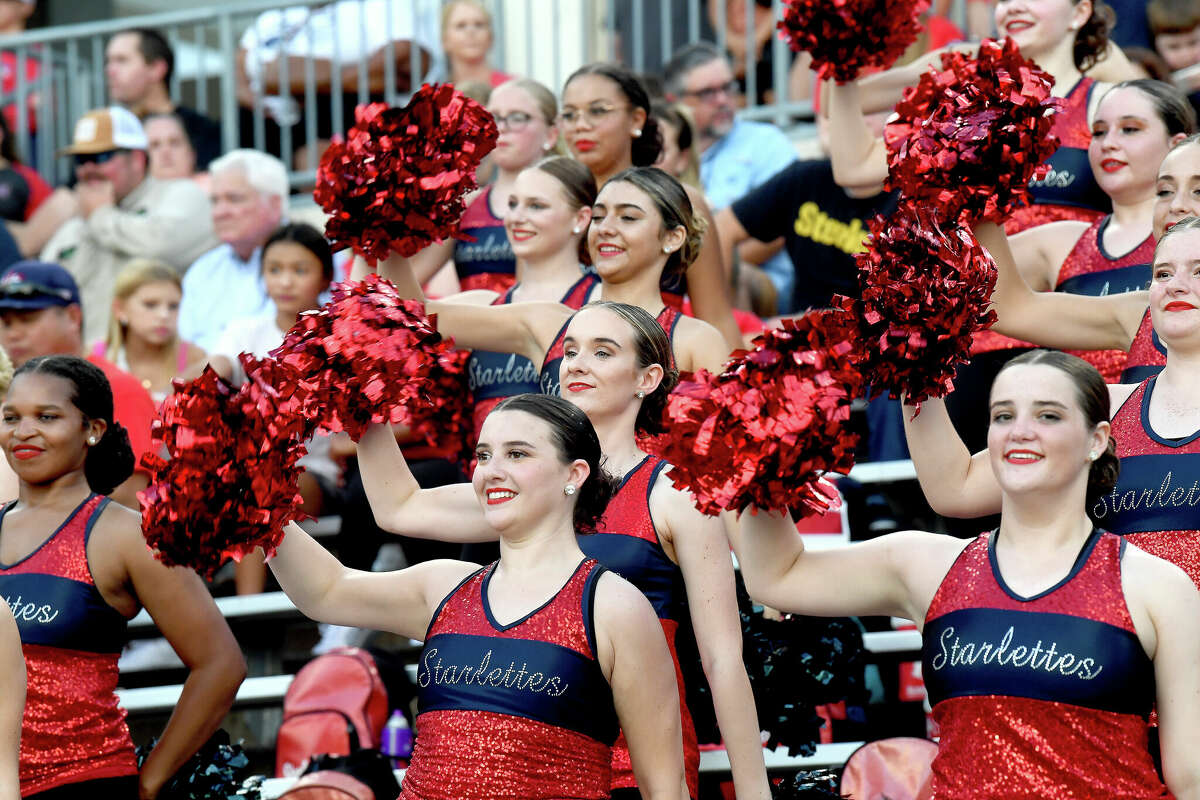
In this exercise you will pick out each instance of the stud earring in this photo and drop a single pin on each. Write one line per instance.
(1092, 456)
(637, 132)
(641, 395)
(666, 250)
(91, 440)
(547, 147)
(569, 489)
(577, 229)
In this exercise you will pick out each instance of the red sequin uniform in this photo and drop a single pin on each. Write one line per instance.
(521, 710)
(1147, 355)
(1070, 190)
(1154, 504)
(73, 730)
(487, 262)
(627, 543)
(1089, 269)
(1038, 697)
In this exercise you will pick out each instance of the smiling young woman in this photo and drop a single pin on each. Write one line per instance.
(574, 650)
(78, 585)
(1048, 641)
(615, 366)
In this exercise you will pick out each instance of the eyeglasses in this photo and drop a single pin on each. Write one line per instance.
(592, 115)
(514, 121)
(95, 158)
(26, 289)
(710, 93)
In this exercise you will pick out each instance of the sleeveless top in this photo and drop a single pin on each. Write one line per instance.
(495, 376)
(627, 543)
(487, 262)
(521, 710)
(71, 639)
(668, 318)
(1090, 269)
(1043, 696)
(1157, 496)
(1147, 354)
(1069, 190)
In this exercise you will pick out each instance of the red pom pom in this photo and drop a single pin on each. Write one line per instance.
(765, 430)
(365, 357)
(970, 138)
(397, 182)
(230, 483)
(925, 291)
(846, 37)
(447, 414)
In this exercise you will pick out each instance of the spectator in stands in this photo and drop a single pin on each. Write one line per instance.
(1175, 25)
(14, 14)
(735, 155)
(67, 549)
(249, 197)
(12, 703)
(143, 334)
(22, 190)
(138, 64)
(756, 44)
(40, 315)
(297, 266)
(271, 66)
(679, 157)
(168, 150)
(123, 213)
(467, 37)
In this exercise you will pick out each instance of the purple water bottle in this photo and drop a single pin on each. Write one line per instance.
(397, 743)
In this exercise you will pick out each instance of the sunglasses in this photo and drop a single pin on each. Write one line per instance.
(96, 158)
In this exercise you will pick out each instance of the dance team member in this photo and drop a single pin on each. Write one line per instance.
(613, 368)
(78, 567)
(642, 226)
(1046, 641)
(608, 125)
(591, 654)
(525, 112)
(548, 212)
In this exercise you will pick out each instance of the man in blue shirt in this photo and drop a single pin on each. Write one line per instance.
(735, 155)
(249, 196)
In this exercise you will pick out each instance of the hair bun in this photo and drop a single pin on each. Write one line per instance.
(110, 461)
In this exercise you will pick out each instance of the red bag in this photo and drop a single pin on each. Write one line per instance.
(337, 704)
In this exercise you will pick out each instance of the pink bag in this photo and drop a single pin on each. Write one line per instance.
(889, 769)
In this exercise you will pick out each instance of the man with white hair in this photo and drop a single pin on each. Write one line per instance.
(122, 213)
(249, 193)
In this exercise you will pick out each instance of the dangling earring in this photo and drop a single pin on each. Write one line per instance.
(569, 489)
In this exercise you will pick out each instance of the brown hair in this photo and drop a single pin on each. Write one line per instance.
(675, 207)
(1172, 16)
(653, 347)
(1092, 394)
(578, 186)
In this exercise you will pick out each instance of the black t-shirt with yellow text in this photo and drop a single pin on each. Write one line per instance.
(823, 227)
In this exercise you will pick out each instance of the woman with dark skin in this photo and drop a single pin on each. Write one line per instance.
(92, 574)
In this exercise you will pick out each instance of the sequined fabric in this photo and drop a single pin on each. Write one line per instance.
(73, 730)
(998, 744)
(1147, 355)
(627, 543)
(469, 754)
(1089, 269)
(1155, 502)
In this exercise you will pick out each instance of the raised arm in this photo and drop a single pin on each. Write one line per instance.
(12, 704)
(703, 554)
(527, 329)
(955, 483)
(631, 647)
(874, 577)
(1057, 319)
(327, 591)
(447, 513)
(708, 284)
(185, 613)
(859, 157)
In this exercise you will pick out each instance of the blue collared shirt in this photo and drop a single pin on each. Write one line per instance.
(741, 160)
(217, 289)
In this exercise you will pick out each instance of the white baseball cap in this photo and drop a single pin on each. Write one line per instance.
(104, 129)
